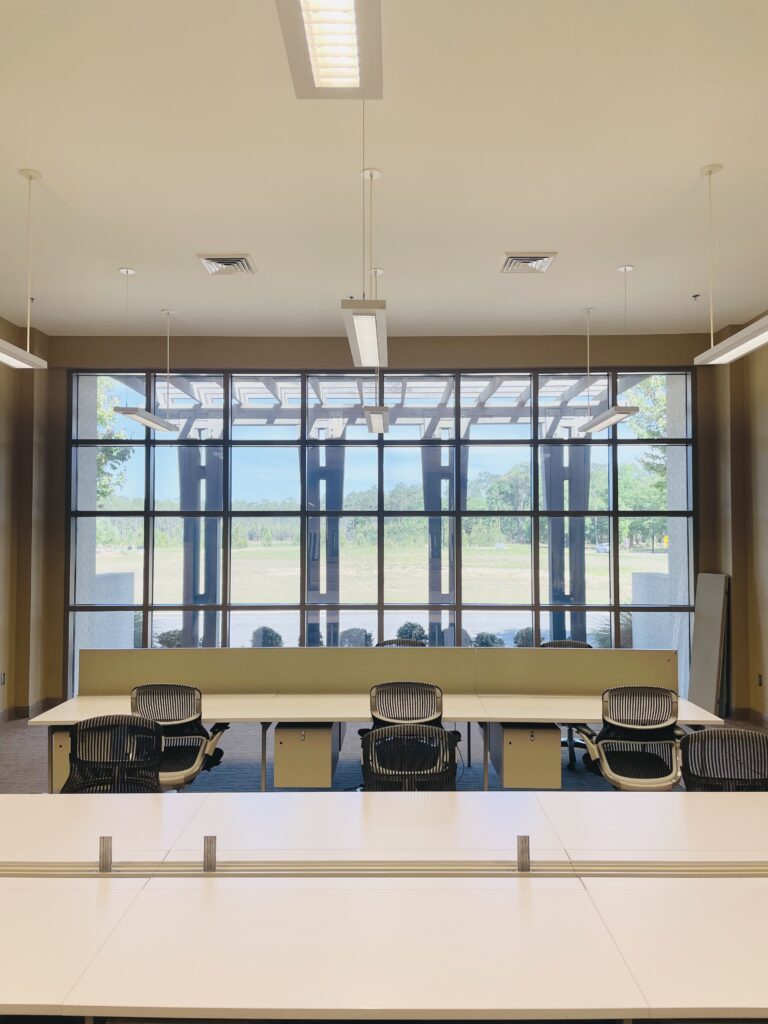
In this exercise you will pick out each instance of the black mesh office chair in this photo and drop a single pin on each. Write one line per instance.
(115, 754)
(188, 747)
(401, 642)
(405, 702)
(570, 742)
(409, 757)
(725, 761)
(638, 745)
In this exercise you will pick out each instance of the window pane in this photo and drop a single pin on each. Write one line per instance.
(496, 560)
(105, 631)
(335, 407)
(418, 479)
(662, 399)
(340, 628)
(109, 560)
(574, 477)
(565, 403)
(496, 478)
(496, 629)
(653, 560)
(265, 565)
(264, 629)
(653, 477)
(194, 403)
(342, 478)
(418, 560)
(98, 394)
(265, 479)
(664, 631)
(189, 478)
(187, 560)
(435, 626)
(186, 629)
(574, 560)
(421, 408)
(594, 628)
(109, 478)
(342, 562)
(496, 405)
(266, 408)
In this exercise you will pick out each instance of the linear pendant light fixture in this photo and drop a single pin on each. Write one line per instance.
(749, 338)
(137, 412)
(365, 320)
(615, 413)
(12, 355)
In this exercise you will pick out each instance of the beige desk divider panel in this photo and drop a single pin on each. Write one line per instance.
(564, 672)
(212, 670)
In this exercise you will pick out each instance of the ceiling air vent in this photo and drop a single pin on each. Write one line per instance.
(227, 264)
(527, 262)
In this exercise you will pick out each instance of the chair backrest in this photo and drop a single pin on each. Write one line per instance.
(167, 703)
(401, 642)
(405, 702)
(640, 708)
(725, 760)
(409, 757)
(574, 645)
(115, 754)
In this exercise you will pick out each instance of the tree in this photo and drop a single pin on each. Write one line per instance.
(170, 638)
(412, 631)
(488, 640)
(110, 459)
(524, 637)
(356, 636)
(265, 636)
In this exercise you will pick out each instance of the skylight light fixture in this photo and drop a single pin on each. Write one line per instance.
(144, 416)
(333, 47)
(13, 355)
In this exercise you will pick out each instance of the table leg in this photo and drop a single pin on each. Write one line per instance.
(264, 730)
(571, 749)
(59, 740)
(469, 744)
(484, 727)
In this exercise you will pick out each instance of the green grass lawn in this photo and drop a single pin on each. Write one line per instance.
(493, 575)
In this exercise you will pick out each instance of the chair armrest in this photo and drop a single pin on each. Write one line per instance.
(218, 727)
(590, 740)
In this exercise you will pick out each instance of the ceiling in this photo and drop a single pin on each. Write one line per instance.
(166, 129)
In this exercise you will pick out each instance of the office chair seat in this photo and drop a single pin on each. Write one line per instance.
(409, 757)
(725, 761)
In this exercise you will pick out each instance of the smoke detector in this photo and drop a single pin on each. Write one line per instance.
(527, 262)
(227, 264)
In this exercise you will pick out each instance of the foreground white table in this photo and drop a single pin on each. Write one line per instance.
(337, 707)
(358, 948)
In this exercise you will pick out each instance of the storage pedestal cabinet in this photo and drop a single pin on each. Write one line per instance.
(306, 754)
(526, 756)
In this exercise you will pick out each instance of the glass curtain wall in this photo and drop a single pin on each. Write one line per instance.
(271, 517)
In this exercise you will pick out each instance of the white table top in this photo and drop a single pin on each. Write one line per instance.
(355, 707)
(674, 828)
(696, 946)
(56, 829)
(53, 927)
(431, 829)
(358, 948)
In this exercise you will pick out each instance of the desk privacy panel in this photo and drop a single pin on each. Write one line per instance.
(355, 670)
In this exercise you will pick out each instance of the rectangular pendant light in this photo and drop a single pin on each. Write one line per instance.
(603, 420)
(19, 358)
(146, 418)
(333, 47)
(747, 340)
(366, 326)
(376, 418)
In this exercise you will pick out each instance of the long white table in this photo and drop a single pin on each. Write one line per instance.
(339, 707)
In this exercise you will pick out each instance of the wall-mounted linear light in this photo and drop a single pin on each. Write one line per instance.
(749, 338)
(615, 413)
(12, 355)
(333, 47)
(144, 416)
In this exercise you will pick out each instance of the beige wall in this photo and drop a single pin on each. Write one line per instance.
(755, 428)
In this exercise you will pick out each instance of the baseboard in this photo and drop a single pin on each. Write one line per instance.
(31, 711)
(751, 716)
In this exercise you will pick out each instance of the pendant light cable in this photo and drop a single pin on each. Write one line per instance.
(167, 314)
(588, 311)
(710, 263)
(363, 208)
(29, 178)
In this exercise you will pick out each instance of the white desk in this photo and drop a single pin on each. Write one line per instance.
(695, 946)
(358, 948)
(382, 832)
(678, 831)
(338, 707)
